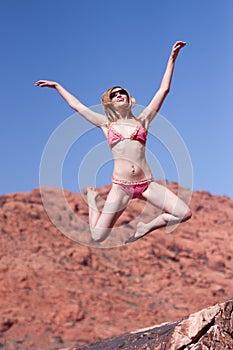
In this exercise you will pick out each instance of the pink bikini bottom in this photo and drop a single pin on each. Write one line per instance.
(133, 188)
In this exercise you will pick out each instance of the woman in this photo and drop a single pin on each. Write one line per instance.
(132, 177)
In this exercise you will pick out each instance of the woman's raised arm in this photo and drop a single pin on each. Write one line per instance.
(93, 117)
(154, 106)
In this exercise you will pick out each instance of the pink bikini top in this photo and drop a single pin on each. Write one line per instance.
(139, 134)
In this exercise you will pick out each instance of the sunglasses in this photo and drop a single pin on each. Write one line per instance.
(115, 93)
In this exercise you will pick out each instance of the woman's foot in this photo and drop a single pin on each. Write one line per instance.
(92, 196)
(142, 230)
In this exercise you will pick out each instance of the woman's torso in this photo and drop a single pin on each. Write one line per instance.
(127, 140)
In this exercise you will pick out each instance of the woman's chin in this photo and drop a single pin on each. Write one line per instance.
(121, 104)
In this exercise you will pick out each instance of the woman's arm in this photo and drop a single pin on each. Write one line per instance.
(93, 117)
(154, 106)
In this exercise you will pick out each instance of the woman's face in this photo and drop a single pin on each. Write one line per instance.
(119, 97)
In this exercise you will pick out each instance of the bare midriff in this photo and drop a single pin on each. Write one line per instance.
(130, 162)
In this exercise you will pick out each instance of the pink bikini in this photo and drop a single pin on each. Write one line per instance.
(133, 188)
(139, 134)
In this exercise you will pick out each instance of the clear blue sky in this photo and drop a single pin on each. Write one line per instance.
(91, 45)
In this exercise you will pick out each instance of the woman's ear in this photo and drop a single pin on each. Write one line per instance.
(132, 101)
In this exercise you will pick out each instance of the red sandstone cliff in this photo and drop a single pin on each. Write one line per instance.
(55, 293)
(208, 329)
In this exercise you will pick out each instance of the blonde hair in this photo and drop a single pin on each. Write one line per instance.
(108, 105)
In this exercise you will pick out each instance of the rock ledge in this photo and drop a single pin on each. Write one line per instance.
(210, 328)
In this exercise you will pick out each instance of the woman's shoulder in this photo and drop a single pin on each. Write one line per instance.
(142, 122)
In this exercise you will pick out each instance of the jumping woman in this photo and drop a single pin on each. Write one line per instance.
(132, 177)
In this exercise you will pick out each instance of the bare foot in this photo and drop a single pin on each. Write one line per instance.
(92, 195)
(142, 229)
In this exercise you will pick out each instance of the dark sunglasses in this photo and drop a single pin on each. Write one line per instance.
(115, 93)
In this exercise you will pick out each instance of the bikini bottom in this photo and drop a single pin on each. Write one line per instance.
(133, 188)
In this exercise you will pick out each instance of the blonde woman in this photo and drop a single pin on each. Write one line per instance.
(132, 177)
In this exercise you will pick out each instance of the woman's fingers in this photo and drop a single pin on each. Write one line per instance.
(44, 83)
(176, 48)
(178, 45)
(40, 82)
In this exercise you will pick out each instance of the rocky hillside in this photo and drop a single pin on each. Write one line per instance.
(210, 328)
(56, 293)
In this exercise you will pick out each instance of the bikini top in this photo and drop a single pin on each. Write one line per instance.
(139, 134)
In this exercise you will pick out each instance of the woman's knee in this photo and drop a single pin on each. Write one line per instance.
(187, 215)
(182, 210)
(100, 234)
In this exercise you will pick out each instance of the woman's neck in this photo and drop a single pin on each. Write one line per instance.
(124, 114)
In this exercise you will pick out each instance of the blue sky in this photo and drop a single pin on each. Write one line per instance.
(89, 46)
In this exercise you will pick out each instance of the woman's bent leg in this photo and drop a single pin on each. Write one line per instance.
(101, 224)
(174, 209)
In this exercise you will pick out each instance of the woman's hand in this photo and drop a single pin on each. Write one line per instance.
(46, 83)
(176, 49)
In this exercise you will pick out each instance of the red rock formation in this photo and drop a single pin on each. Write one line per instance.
(56, 293)
(211, 328)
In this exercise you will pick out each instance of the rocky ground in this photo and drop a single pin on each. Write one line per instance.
(207, 329)
(56, 293)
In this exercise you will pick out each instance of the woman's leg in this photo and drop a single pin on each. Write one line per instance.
(94, 212)
(101, 223)
(174, 209)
